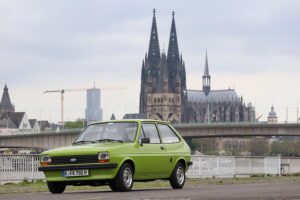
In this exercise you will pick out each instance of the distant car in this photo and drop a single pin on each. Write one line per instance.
(117, 153)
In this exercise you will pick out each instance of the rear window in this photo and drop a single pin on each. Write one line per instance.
(167, 134)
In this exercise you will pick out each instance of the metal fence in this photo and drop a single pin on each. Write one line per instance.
(290, 165)
(25, 167)
(229, 166)
(19, 168)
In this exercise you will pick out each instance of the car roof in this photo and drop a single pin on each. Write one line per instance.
(133, 120)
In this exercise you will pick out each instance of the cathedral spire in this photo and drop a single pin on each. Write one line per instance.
(154, 52)
(206, 77)
(206, 71)
(5, 104)
(173, 52)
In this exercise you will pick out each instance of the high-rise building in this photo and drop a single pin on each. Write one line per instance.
(93, 111)
(164, 94)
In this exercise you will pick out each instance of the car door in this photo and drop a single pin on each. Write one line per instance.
(172, 144)
(152, 155)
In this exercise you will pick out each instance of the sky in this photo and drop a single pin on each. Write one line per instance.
(253, 47)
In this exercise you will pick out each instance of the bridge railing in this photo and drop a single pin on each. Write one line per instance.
(217, 123)
(31, 132)
(231, 123)
(11, 132)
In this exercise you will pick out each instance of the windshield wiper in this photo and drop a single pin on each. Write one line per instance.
(109, 140)
(83, 142)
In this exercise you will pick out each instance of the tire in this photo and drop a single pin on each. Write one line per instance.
(124, 179)
(177, 178)
(112, 186)
(56, 187)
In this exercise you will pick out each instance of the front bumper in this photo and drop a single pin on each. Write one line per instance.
(85, 166)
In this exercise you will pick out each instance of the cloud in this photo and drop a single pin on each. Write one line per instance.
(68, 44)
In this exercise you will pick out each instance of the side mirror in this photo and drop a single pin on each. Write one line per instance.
(145, 141)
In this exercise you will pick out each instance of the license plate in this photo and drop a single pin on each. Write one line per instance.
(79, 172)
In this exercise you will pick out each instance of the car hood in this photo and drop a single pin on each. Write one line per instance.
(85, 149)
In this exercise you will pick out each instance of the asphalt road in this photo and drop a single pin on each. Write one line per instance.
(242, 191)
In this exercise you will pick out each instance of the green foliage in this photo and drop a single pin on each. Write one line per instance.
(234, 147)
(259, 147)
(285, 148)
(257, 175)
(207, 146)
(76, 124)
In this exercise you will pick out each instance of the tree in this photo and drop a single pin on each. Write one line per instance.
(259, 147)
(77, 124)
(297, 148)
(286, 148)
(206, 146)
(235, 147)
(276, 148)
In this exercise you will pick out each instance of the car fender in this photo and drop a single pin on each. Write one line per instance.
(185, 162)
(126, 159)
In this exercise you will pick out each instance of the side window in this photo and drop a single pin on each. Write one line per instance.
(142, 134)
(167, 134)
(150, 132)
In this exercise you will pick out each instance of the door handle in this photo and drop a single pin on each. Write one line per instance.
(162, 148)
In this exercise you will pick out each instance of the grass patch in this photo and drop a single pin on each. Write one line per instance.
(41, 186)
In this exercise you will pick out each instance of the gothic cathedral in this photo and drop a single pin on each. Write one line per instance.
(163, 79)
(164, 95)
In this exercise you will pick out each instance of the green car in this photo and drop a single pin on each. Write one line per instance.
(117, 153)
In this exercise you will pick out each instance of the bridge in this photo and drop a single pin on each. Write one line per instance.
(51, 139)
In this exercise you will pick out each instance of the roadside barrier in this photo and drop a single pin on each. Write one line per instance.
(231, 166)
(17, 168)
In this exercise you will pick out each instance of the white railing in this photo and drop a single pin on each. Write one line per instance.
(230, 166)
(14, 168)
(19, 168)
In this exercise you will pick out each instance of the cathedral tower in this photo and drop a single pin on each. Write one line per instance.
(206, 77)
(162, 78)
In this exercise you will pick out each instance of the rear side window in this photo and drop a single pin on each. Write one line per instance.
(167, 134)
(150, 132)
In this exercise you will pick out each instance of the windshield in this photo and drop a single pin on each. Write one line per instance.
(108, 132)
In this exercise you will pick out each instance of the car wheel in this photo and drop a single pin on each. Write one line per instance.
(124, 179)
(177, 178)
(56, 187)
(112, 186)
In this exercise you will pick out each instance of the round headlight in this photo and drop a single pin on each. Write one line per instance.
(45, 160)
(103, 157)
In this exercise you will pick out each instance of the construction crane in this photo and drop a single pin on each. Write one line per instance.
(257, 119)
(62, 92)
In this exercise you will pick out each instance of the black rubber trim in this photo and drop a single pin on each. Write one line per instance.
(89, 166)
(190, 163)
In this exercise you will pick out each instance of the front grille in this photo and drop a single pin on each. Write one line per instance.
(58, 160)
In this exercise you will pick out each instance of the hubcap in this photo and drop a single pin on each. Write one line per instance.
(180, 175)
(127, 177)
